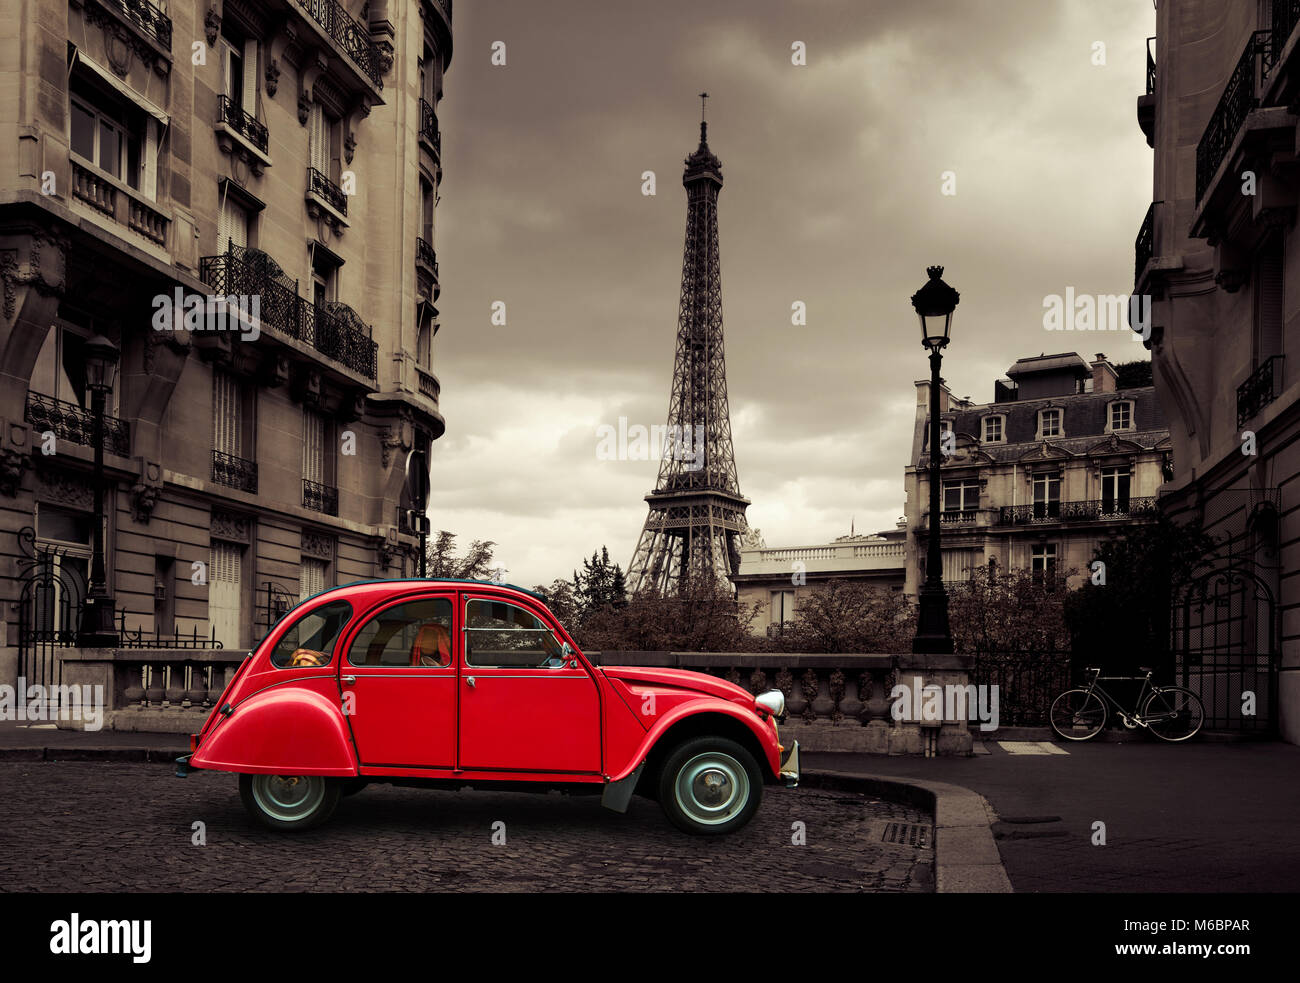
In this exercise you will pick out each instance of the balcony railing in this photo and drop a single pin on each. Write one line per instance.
(320, 498)
(234, 472)
(348, 33)
(334, 330)
(1240, 96)
(429, 131)
(1260, 389)
(426, 256)
(1116, 507)
(103, 195)
(243, 123)
(70, 422)
(148, 18)
(325, 189)
(1142, 246)
(428, 384)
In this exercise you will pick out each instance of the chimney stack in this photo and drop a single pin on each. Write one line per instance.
(1104, 377)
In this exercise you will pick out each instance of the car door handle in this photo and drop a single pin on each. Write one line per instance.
(469, 680)
(349, 680)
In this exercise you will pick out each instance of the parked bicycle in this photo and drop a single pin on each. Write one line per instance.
(1172, 713)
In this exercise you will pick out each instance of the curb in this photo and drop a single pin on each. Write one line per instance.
(151, 754)
(966, 858)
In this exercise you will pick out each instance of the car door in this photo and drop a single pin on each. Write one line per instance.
(400, 673)
(523, 707)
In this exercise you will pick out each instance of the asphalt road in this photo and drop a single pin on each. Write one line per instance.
(1178, 817)
(118, 826)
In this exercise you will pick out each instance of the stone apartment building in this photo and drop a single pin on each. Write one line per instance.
(285, 154)
(1218, 253)
(776, 578)
(1058, 460)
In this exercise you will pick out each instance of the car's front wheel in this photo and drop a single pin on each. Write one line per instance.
(710, 786)
(289, 803)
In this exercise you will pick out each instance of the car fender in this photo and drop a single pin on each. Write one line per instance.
(762, 732)
(281, 730)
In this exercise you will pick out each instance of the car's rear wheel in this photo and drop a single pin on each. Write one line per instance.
(710, 786)
(289, 803)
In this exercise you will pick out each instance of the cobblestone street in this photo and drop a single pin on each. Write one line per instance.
(92, 826)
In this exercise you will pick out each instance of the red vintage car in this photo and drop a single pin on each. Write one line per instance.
(445, 683)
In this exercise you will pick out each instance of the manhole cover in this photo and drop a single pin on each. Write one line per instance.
(907, 834)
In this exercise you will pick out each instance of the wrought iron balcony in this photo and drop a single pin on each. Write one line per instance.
(70, 422)
(149, 19)
(1260, 389)
(349, 34)
(1142, 246)
(429, 131)
(242, 123)
(426, 256)
(334, 330)
(1240, 96)
(1115, 507)
(325, 189)
(320, 498)
(234, 472)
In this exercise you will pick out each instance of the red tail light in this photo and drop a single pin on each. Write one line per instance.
(194, 742)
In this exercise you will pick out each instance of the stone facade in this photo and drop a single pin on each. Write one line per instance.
(279, 153)
(1059, 460)
(1216, 255)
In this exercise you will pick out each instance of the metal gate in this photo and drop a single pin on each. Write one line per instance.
(1226, 644)
(52, 592)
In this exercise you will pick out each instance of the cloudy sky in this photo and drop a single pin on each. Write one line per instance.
(833, 197)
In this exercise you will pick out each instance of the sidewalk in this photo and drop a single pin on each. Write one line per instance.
(1215, 817)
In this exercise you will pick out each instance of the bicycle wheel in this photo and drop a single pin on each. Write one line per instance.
(1078, 714)
(1173, 713)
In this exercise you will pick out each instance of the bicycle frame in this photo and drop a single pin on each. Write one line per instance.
(1134, 715)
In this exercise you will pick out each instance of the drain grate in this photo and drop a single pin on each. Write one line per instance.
(907, 834)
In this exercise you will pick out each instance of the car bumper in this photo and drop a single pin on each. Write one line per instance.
(790, 766)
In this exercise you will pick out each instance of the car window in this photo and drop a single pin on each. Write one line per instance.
(504, 635)
(416, 633)
(310, 640)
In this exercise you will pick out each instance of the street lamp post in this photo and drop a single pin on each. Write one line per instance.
(934, 304)
(98, 628)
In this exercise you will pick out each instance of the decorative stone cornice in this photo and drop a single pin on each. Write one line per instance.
(317, 545)
(230, 527)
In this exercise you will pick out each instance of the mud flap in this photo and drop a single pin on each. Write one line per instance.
(618, 794)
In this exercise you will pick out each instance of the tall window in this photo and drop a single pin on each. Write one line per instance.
(782, 606)
(321, 128)
(1049, 423)
(1268, 299)
(232, 225)
(426, 211)
(1047, 495)
(225, 587)
(1115, 484)
(961, 496)
(315, 447)
(314, 577)
(63, 552)
(113, 135)
(239, 69)
(227, 414)
(424, 347)
(1043, 561)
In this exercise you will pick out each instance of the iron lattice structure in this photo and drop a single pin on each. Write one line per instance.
(697, 514)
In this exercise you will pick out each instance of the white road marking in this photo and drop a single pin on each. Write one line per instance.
(1031, 747)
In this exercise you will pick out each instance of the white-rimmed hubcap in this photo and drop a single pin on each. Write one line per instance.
(711, 788)
(288, 798)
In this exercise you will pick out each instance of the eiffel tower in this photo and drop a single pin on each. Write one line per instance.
(697, 514)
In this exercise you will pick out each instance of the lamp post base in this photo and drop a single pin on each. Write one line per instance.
(98, 625)
(933, 636)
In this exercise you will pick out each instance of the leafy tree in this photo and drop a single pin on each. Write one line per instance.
(562, 601)
(600, 585)
(849, 616)
(703, 616)
(442, 560)
(1014, 612)
(1131, 375)
(1120, 618)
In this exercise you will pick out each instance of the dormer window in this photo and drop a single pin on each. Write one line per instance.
(1120, 416)
(1051, 424)
(994, 429)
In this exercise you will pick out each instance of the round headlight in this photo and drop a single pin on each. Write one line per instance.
(773, 701)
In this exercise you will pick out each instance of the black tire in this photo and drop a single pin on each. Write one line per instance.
(289, 803)
(1178, 713)
(1078, 715)
(710, 786)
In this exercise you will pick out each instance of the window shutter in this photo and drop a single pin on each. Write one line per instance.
(1269, 300)
(232, 226)
(149, 177)
(313, 446)
(319, 151)
(250, 77)
(226, 415)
